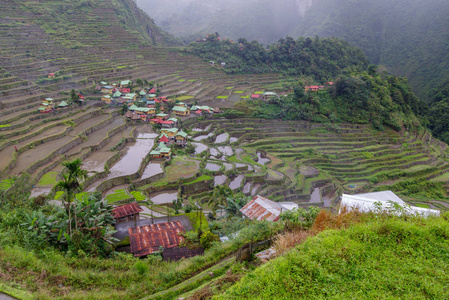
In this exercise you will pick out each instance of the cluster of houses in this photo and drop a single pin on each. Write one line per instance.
(148, 239)
(317, 88)
(48, 105)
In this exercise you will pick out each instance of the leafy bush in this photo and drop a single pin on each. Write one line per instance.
(300, 218)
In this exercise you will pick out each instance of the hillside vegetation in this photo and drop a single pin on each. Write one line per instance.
(379, 257)
(321, 58)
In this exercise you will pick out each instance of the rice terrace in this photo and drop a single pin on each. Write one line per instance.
(136, 166)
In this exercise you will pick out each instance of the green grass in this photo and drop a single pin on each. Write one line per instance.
(180, 167)
(181, 80)
(222, 97)
(118, 195)
(258, 92)
(48, 179)
(192, 80)
(245, 97)
(4, 125)
(422, 205)
(6, 184)
(201, 178)
(238, 92)
(182, 98)
(386, 258)
(138, 195)
(229, 88)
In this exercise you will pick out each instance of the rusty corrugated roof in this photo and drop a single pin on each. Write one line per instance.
(126, 210)
(261, 208)
(147, 239)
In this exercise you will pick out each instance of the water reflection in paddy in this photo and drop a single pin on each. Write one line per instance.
(262, 160)
(164, 198)
(219, 180)
(221, 138)
(212, 167)
(151, 170)
(199, 147)
(130, 162)
(226, 150)
(235, 184)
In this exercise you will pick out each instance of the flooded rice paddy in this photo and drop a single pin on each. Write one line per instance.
(165, 197)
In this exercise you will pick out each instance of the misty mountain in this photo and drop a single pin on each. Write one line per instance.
(410, 38)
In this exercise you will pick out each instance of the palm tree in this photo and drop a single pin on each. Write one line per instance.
(218, 197)
(72, 177)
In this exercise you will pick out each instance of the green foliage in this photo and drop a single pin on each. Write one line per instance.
(378, 258)
(321, 58)
(439, 111)
(118, 195)
(207, 238)
(300, 218)
(356, 98)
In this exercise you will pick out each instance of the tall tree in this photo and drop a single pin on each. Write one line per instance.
(71, 183)
(218, 197)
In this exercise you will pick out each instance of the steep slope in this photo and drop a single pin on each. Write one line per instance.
(406, 37)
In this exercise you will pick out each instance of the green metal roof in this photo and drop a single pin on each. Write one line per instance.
(117, 94)
(63, 104)
(125, 82)
(155, 152)
(161, 115)
(180, 108)
(182, 133)
(173, 119)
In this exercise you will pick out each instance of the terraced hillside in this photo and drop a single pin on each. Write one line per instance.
(313, 163)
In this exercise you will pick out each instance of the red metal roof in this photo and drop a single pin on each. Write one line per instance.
(51, 74)
(164, 139)
(147, 239)
(126, 210)
(152, 91)
(125, 90)
(255, 96)
(261, 208)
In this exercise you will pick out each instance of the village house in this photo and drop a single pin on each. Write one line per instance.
(170, 132)
(162, 151)
(255, 97)
(125, 83)
(63, 104)
(107, 89)
(161, 116)
(384, 201)
(152, 91)
(167, 124)
(181, 138)
(163, 138)
(117, 94)
(261, 208)
(106, 98)
(47, 105)
(174, 120)
(147, 239)
(181, 104)
(142, 92)
(51, 75)
(103, 83)
(125, 90)
(130, 96)
(127, 212)
(269, 95)
(181, 111)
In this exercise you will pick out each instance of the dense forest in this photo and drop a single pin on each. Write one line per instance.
(361, 97)
(321, 58)
(439, 112)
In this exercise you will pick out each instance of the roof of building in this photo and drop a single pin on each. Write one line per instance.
(147, 239)
(182, 133)
(384, 201)
(128, 114)
(106, 96)
(180, 108)
(164, 138)
(161, 115)
(108, 87)
(173, 120)
(63, 104)
(142, 92)
(125, 82)
(117, 94)
(261, 208)
(152, 91)
(255, 96)
(126, 210)
(269, 94)
(103, 83)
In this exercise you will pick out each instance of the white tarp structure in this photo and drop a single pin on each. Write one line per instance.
(385, 201)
